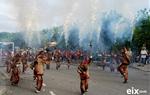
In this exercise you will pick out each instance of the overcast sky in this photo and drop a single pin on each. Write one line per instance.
(16, 15)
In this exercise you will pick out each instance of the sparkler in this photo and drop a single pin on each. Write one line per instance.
(68, 20)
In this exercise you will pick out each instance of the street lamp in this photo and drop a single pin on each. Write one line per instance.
(53, 44)
(90, 45)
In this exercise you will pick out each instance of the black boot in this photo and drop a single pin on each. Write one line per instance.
(125, 81)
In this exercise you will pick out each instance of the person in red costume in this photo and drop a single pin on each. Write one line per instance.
(125, 61)
(83, 71)
(15, 72)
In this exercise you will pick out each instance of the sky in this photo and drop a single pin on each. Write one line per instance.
(25, 15)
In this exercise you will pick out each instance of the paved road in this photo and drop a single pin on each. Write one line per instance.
(66, 82)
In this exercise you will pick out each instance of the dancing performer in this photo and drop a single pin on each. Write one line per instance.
(125, 61)
(24, 58)
(8, 62)
(15, 73)
(84, 74)
(68, 57)
(39, 70)
(57, 58)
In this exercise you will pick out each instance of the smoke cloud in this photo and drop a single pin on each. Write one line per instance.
(95, 20)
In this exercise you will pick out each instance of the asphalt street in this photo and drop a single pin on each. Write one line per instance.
(66, 82)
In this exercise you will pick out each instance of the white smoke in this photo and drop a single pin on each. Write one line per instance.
(28, 20)
(34, 15)
(70, 20)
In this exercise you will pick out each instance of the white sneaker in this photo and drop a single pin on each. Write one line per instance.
(44, 84)
(37, 91)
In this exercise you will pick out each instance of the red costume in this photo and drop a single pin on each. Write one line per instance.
(24, 61)
(39, 70)
(84, 74)
(15, 70)
(68, 57)
(123, 68)
(57, 56)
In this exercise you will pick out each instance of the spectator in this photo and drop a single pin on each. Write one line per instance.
(148, 59)
(143, 54)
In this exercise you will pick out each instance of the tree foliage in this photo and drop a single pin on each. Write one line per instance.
(73, 39)
(141, 35)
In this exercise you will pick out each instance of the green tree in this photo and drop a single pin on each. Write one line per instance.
(62, 42)
(73, 39)
(56, 34)
(141, 35)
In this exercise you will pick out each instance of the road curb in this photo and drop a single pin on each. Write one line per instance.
(139, 69)
(2, 90)
(4, 74)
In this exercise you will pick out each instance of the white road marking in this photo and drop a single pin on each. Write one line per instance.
(52, 93)
(43, 90)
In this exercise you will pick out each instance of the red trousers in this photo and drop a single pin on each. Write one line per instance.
(15, 76)
(24, 67)
(39, 81)
(84, 85)
(123, 69)
(84, 82)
